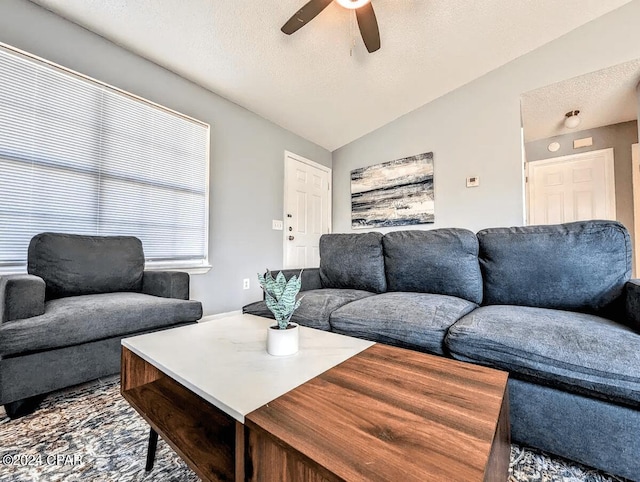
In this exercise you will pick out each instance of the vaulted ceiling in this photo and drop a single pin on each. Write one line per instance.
(314, 83)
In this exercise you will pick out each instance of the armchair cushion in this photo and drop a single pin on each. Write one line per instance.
(352, 261)
(166, 284)
(21, 296)
(81, 319)
(72, 264)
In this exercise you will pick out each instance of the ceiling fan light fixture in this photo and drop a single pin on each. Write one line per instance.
(572, 119)
(353, 4)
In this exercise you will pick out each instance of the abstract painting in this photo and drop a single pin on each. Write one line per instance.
(394, 193)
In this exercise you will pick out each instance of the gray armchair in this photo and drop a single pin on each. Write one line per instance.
(62, 323)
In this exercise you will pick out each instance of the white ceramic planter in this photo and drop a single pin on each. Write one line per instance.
(282, 342)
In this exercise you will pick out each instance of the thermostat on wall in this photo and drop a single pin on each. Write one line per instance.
(473, 181)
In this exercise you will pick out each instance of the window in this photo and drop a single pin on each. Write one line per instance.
(78, 156)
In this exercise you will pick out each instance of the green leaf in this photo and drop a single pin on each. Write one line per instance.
(291, 290)
(280, 295)
(278, 285)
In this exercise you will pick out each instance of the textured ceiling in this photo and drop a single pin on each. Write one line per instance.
(603, 98)
(308, 82)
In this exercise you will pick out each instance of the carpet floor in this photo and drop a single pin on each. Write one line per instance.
(90, 433)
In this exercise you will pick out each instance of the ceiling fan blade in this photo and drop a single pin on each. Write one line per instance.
(368, 27)
(305, 15)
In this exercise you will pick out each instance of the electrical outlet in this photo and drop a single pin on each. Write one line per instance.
(246, 284)
(276, 224)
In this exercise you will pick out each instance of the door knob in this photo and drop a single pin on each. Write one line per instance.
(291, 238)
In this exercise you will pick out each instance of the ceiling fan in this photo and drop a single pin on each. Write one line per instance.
(364, 13)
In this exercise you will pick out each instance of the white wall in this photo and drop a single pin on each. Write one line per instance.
(475, 130)
(247, 151)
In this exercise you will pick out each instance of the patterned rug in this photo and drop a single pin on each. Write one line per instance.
(90, 433)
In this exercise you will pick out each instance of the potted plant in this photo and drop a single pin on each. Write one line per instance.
(280, 297)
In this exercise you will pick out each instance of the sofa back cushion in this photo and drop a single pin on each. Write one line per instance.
(579, 266)
(73, 264)
(353, 261)
(440, 261)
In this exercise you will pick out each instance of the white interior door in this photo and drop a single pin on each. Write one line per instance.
(307, 201)
(572, 188)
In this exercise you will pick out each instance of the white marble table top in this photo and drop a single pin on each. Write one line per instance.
(225, 361)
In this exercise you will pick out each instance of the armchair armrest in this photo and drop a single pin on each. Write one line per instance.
(166, 284)
(632, 302)
(21, 296)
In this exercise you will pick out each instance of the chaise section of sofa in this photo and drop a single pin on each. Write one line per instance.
(554, 317)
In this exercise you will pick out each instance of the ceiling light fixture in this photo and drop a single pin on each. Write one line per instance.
(572, 119)
(353, 4)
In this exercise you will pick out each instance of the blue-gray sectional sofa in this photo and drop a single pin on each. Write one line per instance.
(552, 305)
(62, 323)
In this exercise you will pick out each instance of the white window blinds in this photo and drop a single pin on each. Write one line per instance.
(77, 156)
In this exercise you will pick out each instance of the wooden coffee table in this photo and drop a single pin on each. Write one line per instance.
(341, 409)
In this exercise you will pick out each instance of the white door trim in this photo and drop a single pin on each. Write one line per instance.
(309, 162)
(609, 174)
(306, 161)
(635, 169)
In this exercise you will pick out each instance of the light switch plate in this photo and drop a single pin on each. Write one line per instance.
(473, 181)
(276, 224)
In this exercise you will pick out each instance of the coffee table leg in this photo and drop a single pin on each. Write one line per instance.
(151, 450)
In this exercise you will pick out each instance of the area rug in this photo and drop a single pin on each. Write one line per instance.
(90, 433)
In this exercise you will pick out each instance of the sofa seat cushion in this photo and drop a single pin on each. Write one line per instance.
(80, 319)
(410, 320)
(315, 308)
(576, 352)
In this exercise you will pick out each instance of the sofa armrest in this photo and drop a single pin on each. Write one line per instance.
(310, 277)
(632, 302)
(166, 284)
(21, 296)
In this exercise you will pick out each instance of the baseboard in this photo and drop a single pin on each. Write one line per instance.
(220, 315)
